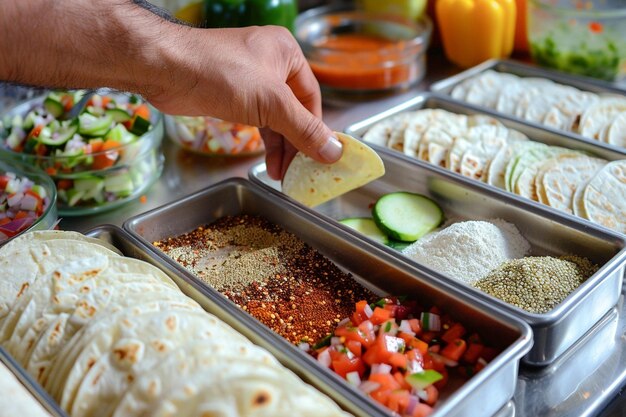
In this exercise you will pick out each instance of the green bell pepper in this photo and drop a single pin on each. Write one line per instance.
(240, 13)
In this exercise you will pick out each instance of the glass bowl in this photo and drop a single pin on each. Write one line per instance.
(584, 37)
(27, 199)
(90, 181)
(210, 136)
(352, 51)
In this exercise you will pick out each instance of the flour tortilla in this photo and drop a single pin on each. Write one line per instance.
(27, 257)
(435, 145)
(486, 87)
(313, 183)
(578, 205)
(102, 296)
(605, 195)
(565, 114)
(540, 104)
(130, 348)
(529, 165)
(486, 141)
(600, 114)
(388, 130)
(617, 131)
(563, 175)
(498, 167)
(48, 235)
(15, 400)
(239, 386)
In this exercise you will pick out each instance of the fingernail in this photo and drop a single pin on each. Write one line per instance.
(331, 151)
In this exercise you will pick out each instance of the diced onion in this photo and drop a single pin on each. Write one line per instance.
(368, 311)
(422, 394)
(15, 199)
(446, 361)
(369, 386)
(414, 367)
(405, 327)
(304, 346)
(381, 368)
(335, 341)
(430, 322)
(353, 378)
(29, 202)
(343, 322)
(413, 401)
(324, 358)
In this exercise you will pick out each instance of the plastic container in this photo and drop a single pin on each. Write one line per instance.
(356, 52)
(85, 186)
(580, 37)
(14, 174)
(211, 136)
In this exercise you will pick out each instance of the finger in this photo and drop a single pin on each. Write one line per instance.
(289, 153)
(305, 131)
(273, 153)
(305, 86)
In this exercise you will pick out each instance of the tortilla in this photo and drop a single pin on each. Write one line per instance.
(600, 114)
(47, 235)
(486, 87)
(617, 131)
(528, 167)
(434, 146)
(486, 141)
(388, 130)
(15, 399)
(496, 173)
(313, 183)
(27, 257)
(563, 175)
(578, 205)
(239, 385)
(604, 196)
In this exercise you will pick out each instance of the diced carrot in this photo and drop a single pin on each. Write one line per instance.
(35, 132)
(105, 100)
(454, 350)
(472, 353)
(142, 111)
(380, 315)
(106, 159)
(110, 144)
(51, 171)
(455, 332)
(96, 145)
(64, 184)
(143, 199)
(67, 101)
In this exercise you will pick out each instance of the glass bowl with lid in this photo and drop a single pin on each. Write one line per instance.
(27, 199)
(107, 156)
(352, 51)
(584, 37)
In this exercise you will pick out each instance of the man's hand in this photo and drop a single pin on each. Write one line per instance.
(255, 75)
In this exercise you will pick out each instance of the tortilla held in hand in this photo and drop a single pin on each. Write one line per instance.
(313, 183)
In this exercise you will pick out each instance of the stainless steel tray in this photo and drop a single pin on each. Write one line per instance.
(548, 233)
(536, 133)
(368, 264)
(36, 390)
(445, 86)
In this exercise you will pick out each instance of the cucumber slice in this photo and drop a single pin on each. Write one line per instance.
(120, 184)
(119, 115)
(92, 187)
(53, 106)
(367, 227)
(397, 245)
(62, 135)
(139, 126)
(29, 121)
(406, 216)
(91, 125)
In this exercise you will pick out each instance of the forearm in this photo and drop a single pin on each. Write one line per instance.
(83, 44)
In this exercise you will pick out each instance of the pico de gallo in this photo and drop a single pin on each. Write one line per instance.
(400, 354)
(22, 202)
(95, 158)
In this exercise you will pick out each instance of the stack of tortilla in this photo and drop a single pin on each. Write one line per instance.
(15, 400)
(107, 335)
(481, 148)
(539, 100)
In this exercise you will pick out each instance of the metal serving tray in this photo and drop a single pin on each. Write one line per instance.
(446, 85)
(36, 390)
(534, 132)
(547, 232)
(369, 265)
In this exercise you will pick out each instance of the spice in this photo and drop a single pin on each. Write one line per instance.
(538, 283)
(270, 273)
(467, 251)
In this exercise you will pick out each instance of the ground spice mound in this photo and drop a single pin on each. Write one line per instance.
(537, 283)
(270, 273)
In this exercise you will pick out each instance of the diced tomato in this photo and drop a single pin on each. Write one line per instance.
(381, 396)
(398, 400)
(343, 365)
(355, 347)
(489, 353)
(20, 215)
(4, 180)
(442, 382)
(398, 360)
(389, 327)
(67, 101)
(472, 353)
(474, 338)
(415, 355)
(380, 316)
(428, 336)
(454, 350)
(4, 220)
(366, 331)
(41, 149)
(437, 362)
(359, 315)
(420, 345)
(35, 132)
(51, 171)
(386, 381)
(435, 310)
(422, 410)
(364, 334)
(391, 308)
(401, 379)
(455, 332)
(415, 326)
(65, 184)
(105, 100)
(432, 395)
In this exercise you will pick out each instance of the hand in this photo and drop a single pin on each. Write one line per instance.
(257, 76)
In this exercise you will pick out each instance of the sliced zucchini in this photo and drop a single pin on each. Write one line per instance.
(406, 216)
(367, 227)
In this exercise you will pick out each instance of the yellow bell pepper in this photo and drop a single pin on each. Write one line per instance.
(473, 31)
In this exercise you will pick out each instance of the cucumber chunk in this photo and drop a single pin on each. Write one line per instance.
(367, 227)
(406, 216)
(91, 125)
(53, 106)
(60, 136)
(118, 115)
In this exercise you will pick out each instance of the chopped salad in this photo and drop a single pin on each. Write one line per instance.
(401, 354)
(95, 158)
(22, 202)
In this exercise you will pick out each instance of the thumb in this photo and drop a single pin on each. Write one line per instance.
(305, 131)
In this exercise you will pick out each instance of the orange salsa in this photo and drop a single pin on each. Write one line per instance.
(363, 62)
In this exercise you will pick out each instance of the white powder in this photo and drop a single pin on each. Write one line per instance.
(468, 251)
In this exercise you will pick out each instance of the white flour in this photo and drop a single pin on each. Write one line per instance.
(467, 251)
